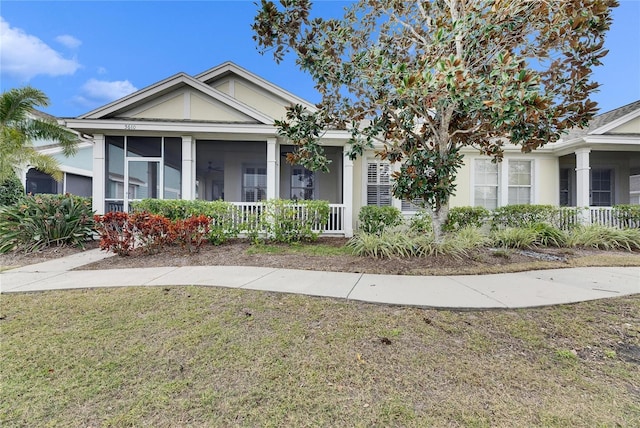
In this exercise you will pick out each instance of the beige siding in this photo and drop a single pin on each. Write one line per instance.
(547, 180)
(256, 98)
(223, 87)
(631, 127)
(172, 108)
(464, 195)
(208, 109)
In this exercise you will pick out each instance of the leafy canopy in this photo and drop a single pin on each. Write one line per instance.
(20, 126)
(425, 78)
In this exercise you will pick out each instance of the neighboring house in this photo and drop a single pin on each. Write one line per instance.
(211, 136)
(77, 173)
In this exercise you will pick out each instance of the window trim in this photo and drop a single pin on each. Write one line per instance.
(365, 180)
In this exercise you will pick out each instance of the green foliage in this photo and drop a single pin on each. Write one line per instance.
(433, 77)
(511, 216)
(421, 222)
(427, 175)
(374, 219)
(514, 237)
(223, 214)
(461, 217)
(20, 126)
(628, 216)
(549, 236)
(605, 238)
(385, 244)
(11, 191)
(42, 221)
(398, 242)
(294, 221)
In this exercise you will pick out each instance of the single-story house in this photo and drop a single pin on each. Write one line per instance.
(211, 136)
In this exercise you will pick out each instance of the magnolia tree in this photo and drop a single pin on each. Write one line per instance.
(419, 80)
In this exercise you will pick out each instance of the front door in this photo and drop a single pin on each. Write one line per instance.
(143, 179)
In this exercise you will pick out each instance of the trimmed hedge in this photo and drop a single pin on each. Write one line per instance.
(461, 217)
(374, 219)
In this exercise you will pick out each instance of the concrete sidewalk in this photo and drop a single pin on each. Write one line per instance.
(510, 290)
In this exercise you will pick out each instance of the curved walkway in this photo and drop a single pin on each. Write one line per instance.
(508, 290)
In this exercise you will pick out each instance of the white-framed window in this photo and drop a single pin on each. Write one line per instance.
(519, 182)
(486, 179)
(254, 183)
(378, 183)
(302, 183)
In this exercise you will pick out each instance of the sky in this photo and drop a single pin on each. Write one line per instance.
(85, 54)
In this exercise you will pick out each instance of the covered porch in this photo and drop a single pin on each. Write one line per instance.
(242, 172)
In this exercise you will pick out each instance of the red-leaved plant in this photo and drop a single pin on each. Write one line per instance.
(116, 232)
(192, 232)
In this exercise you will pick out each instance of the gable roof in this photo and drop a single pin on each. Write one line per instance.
(230, 68)
(606, 121)
(166, 86)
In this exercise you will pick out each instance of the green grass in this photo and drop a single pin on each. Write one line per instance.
(190, 356)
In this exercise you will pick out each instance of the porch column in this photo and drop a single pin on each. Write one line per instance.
(582, 177)
(99, 180)
(188, 168)
(347, 193)
(273, 171)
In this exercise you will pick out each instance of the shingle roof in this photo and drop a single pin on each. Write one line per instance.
(603, 119)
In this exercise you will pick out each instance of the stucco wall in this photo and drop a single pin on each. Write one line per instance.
(254, 97)
(172, 108)
(631, 127)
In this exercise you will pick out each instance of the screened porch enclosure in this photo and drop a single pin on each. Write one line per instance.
(236, 171)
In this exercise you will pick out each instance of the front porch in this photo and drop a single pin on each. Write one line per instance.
(242, 173)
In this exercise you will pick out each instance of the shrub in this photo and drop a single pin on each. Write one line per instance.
(421, 222)
(41, 221)
(461, 217)
(605, 238)
(548, 235)
(11, 191)
(374, 219)
(294, 221)
(151, 231)
(514, 237)
(116, 232)
(628, 216)
(192, 232)
(512, 216)
(386, 244)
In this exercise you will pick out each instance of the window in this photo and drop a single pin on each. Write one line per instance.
(519, 182)
(378, 183)
(601, 180)
(486, 184)
(565, 189)
(254, 184)
(302, 183)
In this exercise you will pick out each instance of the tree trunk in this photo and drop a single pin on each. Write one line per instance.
(437, 221)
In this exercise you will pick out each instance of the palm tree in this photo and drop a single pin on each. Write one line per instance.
(20, 126)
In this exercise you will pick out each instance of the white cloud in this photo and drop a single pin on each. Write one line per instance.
(68, 41)
(24, 56)
(102, 90)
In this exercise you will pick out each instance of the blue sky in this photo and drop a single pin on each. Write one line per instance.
(84, 54)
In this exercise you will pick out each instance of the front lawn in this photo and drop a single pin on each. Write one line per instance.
(190, 356)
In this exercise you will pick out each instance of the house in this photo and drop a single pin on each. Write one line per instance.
(77, 173)
(211, 136)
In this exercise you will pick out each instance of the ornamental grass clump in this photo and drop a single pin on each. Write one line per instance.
(514, 237)
(42, 221)
(605, 238)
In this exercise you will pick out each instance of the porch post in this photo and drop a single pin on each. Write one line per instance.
(99, 179)
(582, 183)
(347, 193)
(188, 168)
(272, 168)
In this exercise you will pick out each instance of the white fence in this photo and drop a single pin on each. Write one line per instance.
(603, 216)
(250, 213)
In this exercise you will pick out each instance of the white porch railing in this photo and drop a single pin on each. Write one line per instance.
(603, 216)
(250, 212)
